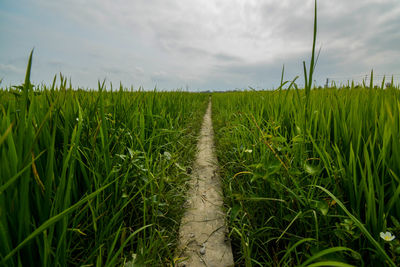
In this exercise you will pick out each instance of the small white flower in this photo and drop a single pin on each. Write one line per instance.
(167, 155)
(387, 236)
(248, 151)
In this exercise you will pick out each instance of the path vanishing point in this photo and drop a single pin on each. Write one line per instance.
(203, 233)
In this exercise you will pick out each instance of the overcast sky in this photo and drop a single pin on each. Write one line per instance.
(196, 44)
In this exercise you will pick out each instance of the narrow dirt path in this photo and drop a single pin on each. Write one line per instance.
(203, 232)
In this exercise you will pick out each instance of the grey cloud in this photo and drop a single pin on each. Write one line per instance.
(139, 70)
(194, 51)
(118, 70)
(227, 58)
(160, 76)
(58, 65)
(213, 44)
(262, 75)
(166, 35)
(115, 70)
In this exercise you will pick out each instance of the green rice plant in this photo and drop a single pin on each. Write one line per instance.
(93, 177)
(311, 176)
(273, 172)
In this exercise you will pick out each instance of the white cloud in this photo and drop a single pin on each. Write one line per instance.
(6, 68)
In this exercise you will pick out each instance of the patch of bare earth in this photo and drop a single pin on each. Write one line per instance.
(203, 232)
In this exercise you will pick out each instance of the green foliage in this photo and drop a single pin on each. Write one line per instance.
(334, 183)
(93, 177)
(321, 180)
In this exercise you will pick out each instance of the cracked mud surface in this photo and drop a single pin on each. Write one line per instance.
(203, 233)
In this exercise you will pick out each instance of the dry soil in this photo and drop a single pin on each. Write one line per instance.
(203, 231)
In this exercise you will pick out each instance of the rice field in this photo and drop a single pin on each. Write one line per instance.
(312, 184)
(311, 177)
(93, 178)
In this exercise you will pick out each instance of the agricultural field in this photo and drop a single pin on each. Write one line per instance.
(310, 176)
(93, 178)
(311, 180)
